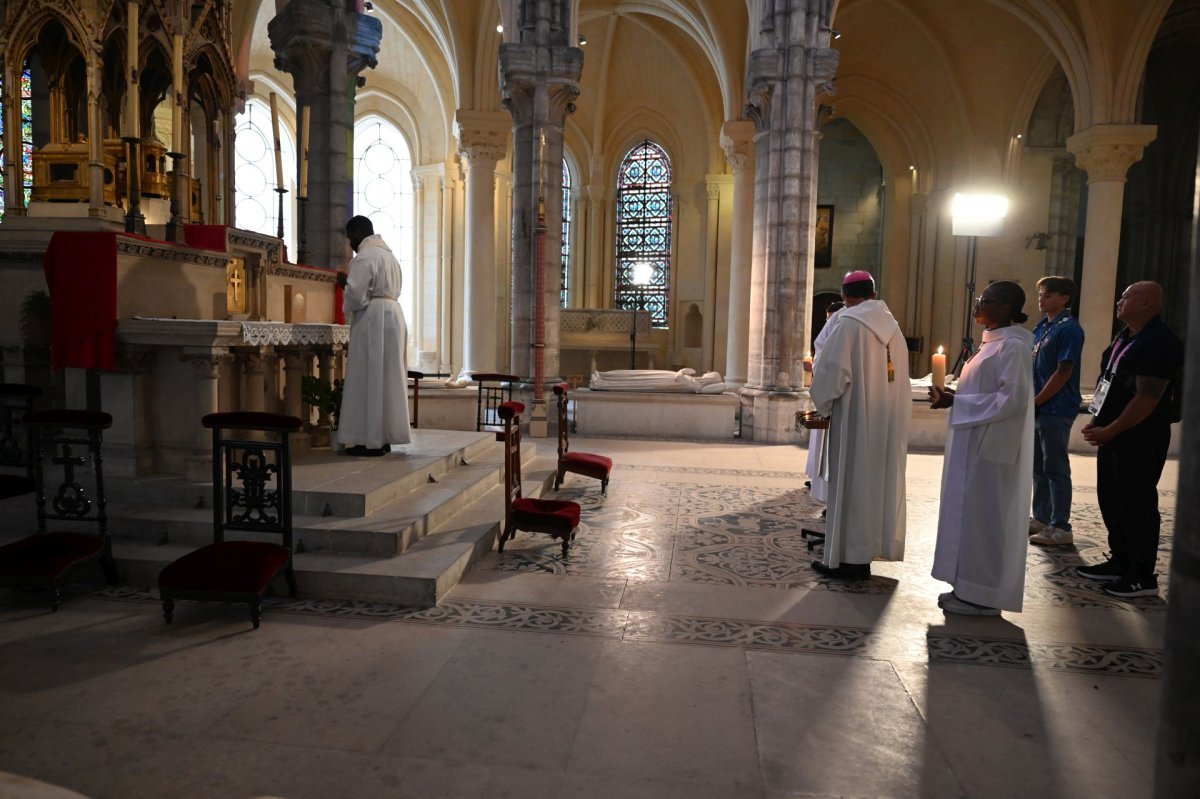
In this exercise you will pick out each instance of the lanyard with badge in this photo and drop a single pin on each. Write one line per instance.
(1063, 317)
(1119, 349)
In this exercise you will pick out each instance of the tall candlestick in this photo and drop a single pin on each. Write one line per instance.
(939, 368)
(278, 148)
(132, 110)
(177, 82)
(304, 120)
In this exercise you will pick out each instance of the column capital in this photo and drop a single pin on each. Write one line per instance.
(737, 140)
(482, 135)
(207, 364)
(303, 35)
(1106, 152)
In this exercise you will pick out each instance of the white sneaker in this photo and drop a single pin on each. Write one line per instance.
(1052, 536)
(1035, 526)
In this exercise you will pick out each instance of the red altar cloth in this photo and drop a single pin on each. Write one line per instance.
(81, 272)
(206, 237)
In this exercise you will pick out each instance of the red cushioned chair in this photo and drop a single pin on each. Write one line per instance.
(554, 517)
(252, 492)
(16, 448)
(48, 559)
(585, 463)
(493, 389)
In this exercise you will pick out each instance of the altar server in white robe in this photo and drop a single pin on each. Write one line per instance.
(374, 411)
(983, 524)
(861, 382)
(818, 462)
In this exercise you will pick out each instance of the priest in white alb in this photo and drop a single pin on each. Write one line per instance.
(861, 382)
(374, 412)
(983, 525)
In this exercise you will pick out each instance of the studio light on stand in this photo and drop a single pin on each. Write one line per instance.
(642, 274)
(973, 216)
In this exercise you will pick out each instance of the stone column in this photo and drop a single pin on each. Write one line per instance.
(712, 225)
(1105, 152)
(255, 362)
(323, 45)
(14, 200)
(539, 74)
(482, 141)
(207, 365)
(596, 199)
(784, 79)
(737, 139)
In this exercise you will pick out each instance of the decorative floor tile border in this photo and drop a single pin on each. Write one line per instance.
(649, 627)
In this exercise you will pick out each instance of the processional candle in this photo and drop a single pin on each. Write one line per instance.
(278, 148)
(939, 368)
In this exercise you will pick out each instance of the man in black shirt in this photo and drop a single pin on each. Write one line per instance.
(1132, 433)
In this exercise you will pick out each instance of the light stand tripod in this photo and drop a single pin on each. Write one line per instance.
(968, 339)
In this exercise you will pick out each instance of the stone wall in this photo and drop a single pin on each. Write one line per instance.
(849, 179)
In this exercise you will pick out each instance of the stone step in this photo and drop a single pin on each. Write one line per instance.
(421, 576)
(324, 482)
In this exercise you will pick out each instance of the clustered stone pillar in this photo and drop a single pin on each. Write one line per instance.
(207, 364)
(482, 141)
(323, 45)
(737, 139)
(1105, 152)
(792, 65)
(539, 74)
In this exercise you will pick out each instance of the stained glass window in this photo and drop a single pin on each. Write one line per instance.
(26, 140)
(383, 192)
(256, 203)
(564, 287)
(644, 231)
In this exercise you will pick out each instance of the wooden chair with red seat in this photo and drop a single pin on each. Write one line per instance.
(554, 517)
(47, 559)
(494, 389)
(16, 447)
(585, 463)
(414, 406)
(252, 493)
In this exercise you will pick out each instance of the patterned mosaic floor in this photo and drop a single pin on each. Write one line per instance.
(749, 536)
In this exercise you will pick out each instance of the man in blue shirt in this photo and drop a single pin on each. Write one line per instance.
(1057, 348)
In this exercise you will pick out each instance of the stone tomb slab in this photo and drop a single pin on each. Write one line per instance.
(656, 415)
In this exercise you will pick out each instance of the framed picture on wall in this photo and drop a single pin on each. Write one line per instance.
(823, 238)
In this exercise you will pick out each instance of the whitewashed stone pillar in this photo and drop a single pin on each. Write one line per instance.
(296, 361)
(207, 365)
(482, 141)
(1105, 152)
(539, 74)
(784, 79)
(737, 139)
(254, 383)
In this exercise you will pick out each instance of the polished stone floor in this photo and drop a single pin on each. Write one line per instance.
(684, 649)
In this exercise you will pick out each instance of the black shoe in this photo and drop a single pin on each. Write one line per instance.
(1101, 572)
(375, 453)
(847, 571)
(1129, 587)
(808, 483)
(357, 450)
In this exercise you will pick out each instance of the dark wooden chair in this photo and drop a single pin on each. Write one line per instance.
(16, 446)
(48, 559)
(414, 407)
(585, 463)
(252, 492)
(555, 517)
(494, 389)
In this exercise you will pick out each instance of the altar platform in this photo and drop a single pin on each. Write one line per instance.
(400, 528)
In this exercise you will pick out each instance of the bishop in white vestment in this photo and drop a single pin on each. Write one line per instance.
(861, 382)
(983, 524)
(375, 395)
(818, 460)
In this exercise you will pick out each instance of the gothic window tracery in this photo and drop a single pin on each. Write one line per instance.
(26, 113)
(256, 203)
(383, 192)
(644, 231)
(564, 293)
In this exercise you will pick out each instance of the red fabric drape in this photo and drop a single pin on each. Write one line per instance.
(206, 237)
(81, 272)
(339, 316)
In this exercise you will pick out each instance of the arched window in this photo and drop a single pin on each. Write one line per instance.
(26, 98)
(256, 203)
(564, 291)
(383, 192)
(644, 231)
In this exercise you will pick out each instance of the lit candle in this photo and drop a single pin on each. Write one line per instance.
(304, 120)
(808, 362)
(278, 148)
(177, 106)
(133, 126)
(939, 368)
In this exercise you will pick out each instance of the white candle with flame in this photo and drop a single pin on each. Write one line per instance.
(278, 147)
(939, 368)
(304, 122)
(177, 81)
(132, 123)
